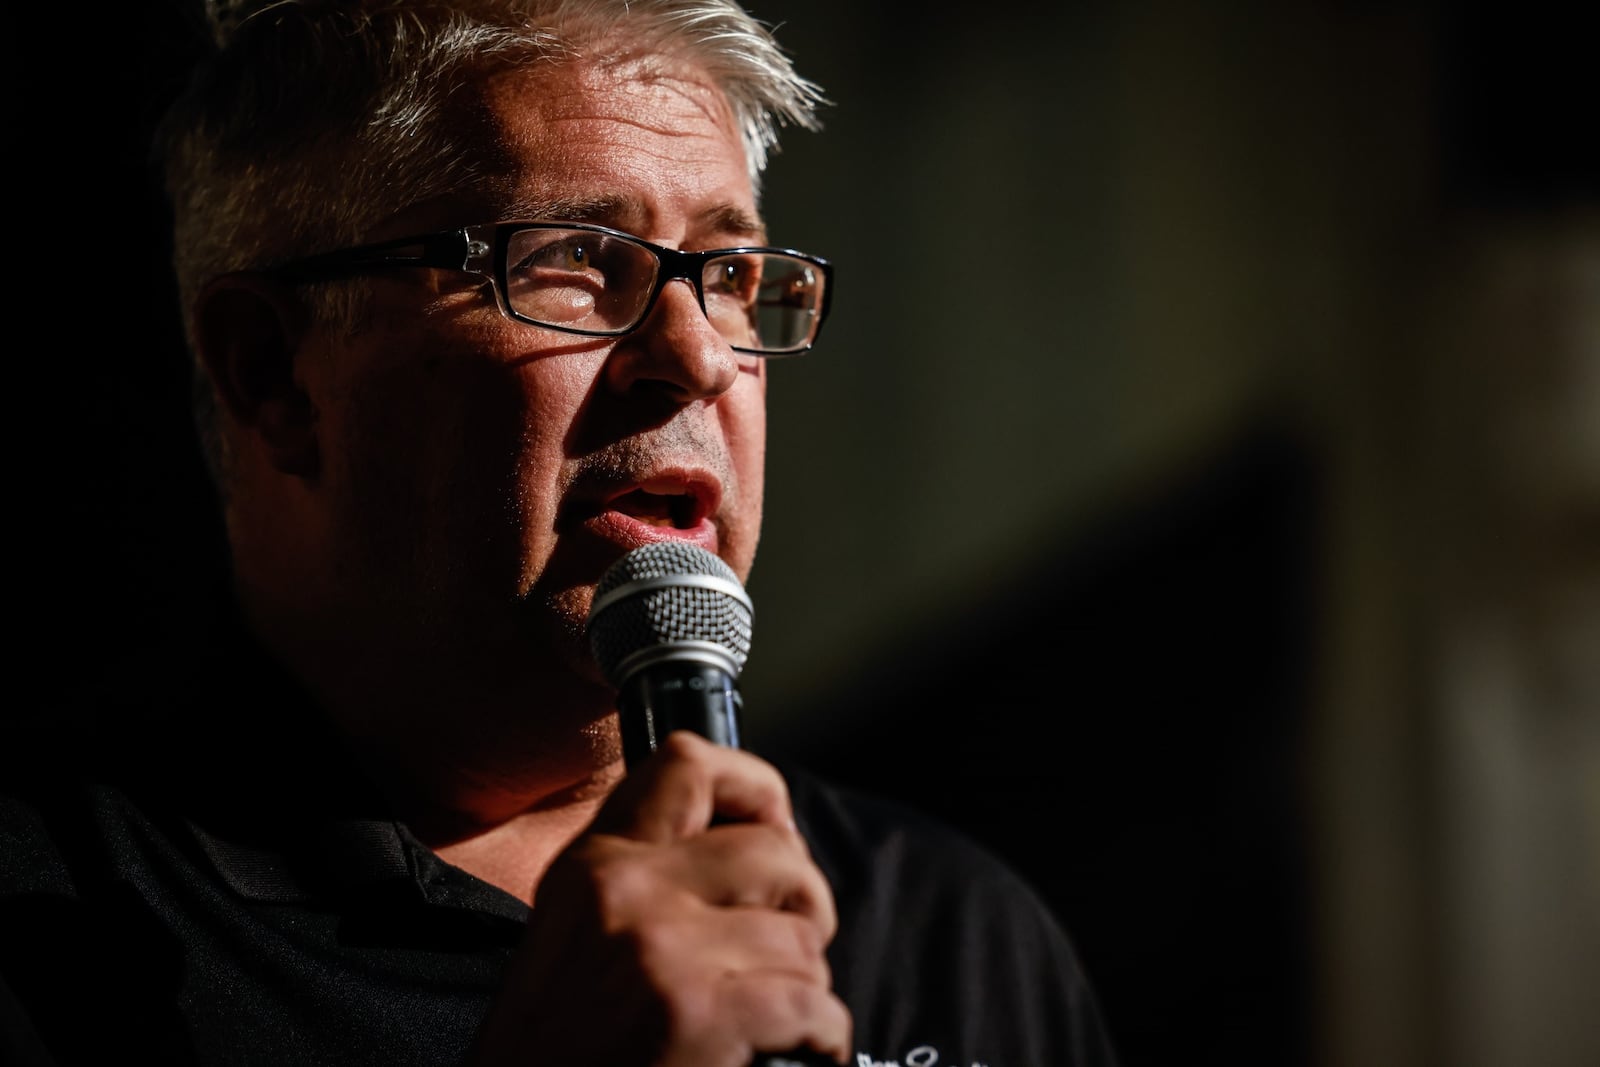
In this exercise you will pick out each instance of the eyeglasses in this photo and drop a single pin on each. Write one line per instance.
(599, 282)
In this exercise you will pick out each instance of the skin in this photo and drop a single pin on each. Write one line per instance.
(419, 517)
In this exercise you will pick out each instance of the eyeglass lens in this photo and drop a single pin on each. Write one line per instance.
(583, 280)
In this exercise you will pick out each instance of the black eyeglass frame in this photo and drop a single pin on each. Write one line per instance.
(482, 249)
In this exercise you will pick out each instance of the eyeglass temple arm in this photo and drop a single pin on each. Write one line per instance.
(452, 250)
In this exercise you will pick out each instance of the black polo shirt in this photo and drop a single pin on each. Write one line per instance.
(214, 885)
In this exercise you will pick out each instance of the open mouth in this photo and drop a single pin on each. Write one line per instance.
(679, 511)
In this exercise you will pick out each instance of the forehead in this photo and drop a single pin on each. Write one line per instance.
(638, 144)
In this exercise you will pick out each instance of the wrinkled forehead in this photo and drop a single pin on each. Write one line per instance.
(530, 139)
(662, 85)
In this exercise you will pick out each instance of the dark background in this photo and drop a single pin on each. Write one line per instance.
(1104, 524)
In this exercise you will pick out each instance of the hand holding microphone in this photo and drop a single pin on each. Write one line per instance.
(670, 626)
(688, 925)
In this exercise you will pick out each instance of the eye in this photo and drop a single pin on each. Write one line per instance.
(738, 276)
(577, 278)
(797, 289)
(571, 254)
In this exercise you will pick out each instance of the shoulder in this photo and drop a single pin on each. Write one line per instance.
(882, 855)
(59, 801)
(941, 945)
(862, 837)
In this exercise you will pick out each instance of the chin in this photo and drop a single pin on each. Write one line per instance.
(564, 627)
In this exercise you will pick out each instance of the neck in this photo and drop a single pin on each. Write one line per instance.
(494, 760)
(513, 854)
(502, 816)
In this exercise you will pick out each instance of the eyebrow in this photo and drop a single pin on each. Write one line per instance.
(629, 214)
(730, 218)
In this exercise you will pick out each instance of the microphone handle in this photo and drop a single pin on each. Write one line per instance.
(686, 694)
(677, 694)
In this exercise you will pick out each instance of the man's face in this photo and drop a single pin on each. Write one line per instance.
(480, 474)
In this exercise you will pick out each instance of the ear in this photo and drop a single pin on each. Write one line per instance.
(248, 330)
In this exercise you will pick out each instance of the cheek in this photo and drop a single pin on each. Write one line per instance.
(745, 426)
(751, 442)
(550, 398)
(427, 473)
(450, 455)
(747, 440)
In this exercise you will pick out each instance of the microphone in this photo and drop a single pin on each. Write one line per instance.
(670, 628)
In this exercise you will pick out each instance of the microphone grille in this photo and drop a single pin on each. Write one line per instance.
(668, 594)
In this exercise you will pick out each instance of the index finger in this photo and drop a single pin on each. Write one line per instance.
(686, 784)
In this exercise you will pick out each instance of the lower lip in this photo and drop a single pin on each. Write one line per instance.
(629, 533)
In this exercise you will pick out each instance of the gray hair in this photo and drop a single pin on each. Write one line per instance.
(295, 91)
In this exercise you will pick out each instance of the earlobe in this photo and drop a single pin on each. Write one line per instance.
(248, 332)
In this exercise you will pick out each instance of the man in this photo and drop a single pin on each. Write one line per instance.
(461, 285)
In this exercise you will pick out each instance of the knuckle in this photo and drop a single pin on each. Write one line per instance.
(618, 885)
(780, 1004)
(686, 747)
(694, 1015)
(809, 942)
(659, 943)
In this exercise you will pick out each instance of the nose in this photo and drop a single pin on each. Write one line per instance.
(674, 350)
